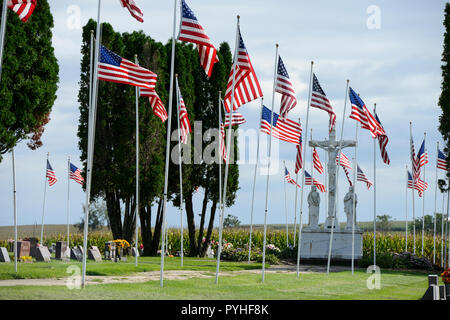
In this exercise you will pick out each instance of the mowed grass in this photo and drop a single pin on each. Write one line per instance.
(58, 269)
(335, 286)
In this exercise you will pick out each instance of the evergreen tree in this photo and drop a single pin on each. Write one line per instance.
(29, 78)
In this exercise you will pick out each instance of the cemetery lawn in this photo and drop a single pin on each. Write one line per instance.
(244, 285)
(58, 269)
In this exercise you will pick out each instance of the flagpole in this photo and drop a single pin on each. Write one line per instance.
(336, 181)
(423, 202)
(447, 233)
(285, 210)
(303, 170)
(254, 184)
(435, 207)
(220, 158)
(91, 139)
(442, 229)
(296, 196)
(43, 206)
(228, 144)
(374, 198)
(2, 34)
(181, 173)
(137, 172)
(15, 208)
(406, 211)
(68, 199)
(169, 126)
(412, 190)
(268, 165)
(354, 197)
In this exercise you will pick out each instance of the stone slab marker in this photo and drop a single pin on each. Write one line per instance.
(42, 254)
(76, 254)
(61, 248)
(23, 249)
(4, 256)
(94, 254)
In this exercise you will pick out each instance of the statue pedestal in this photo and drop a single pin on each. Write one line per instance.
(315, 245)
(329, 223)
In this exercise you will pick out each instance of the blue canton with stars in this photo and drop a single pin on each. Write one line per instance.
(241, 42)
(187, 12)
(356, 100)
(316, 86)
(109, 57)
(267, 116)
(281, 68)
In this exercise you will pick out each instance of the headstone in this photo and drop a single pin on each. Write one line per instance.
(442, 293)
(76, 254)
(4, 255)
(94, 254)
(33, 245)
(133, 252)
(433, 280)
(209, 252)
(60, 251)
(42, 254)
(52, 248)
(110, 250)
(81, 249)
(23, 249)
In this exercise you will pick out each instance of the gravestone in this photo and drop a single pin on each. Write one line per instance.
(442, 293)
(81, 249)
(209, 252)
(434, 292)
(61, 248)
(110, 250)
(4, 255)
(52, 248)
(33, 245)
(133, 252)
(23, 249)
(76, 254)
(94, 254)
(433, 280)
(42, 254)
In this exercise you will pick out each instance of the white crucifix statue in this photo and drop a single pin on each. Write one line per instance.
(332, 147)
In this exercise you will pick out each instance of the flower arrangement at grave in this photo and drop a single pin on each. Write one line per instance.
(26, 259)
(271, 248)
(123, 244)
(446, 276)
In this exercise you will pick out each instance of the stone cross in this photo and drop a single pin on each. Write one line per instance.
(332, 147)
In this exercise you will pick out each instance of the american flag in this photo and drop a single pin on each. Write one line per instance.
(309, 181)
(283, 129)
(223, 148)
(299, 159)
(441, 161)
(284, 86)
(288, 178)
(75, 174)
(420, 185)
(155, 103)
(361, 114)
(23, 8)
(134, 9)
(50, 175)
(316, 161)
(345, 162)
(422, 156)
(247, 87)
(114, 68)
(185, 126)
(347, 174)
(383, 141)
(414, 162)
(236, 119)
(320, 100)
(362, 177)
(192, 31)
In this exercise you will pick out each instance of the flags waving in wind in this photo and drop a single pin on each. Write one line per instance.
(309, 181)
(134, 9)
(362, 177)
(185, 126)
(422, 156)
(383, 141)
(284, 86)
(75, 174)
(299, 158)
(50, 175)
(246, 86)
(155, 103)
(441, 162)
(192, 31)
(288, 178)
(419, 185)
(361, 114)
(283, 129)
(319, 100)
(316, 161)
(23, 8)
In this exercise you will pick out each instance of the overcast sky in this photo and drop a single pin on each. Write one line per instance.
(389, 50)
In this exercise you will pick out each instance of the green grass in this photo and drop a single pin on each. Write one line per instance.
(340, 285)
(57, 269)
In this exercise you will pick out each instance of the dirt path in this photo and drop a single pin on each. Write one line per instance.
(168, 275)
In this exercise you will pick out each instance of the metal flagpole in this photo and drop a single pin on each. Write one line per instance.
(41, 240)
(446, 237)
(137, 172)
(423, 203)
(181, 173)
(220, 158)
(412, 190)
(2, 34)
(68, 199)
(374, 198)
(285, 210)
(435, 207)
(91, 140)
(228, 144)
(254, 184)
(336, 181)
(354, 197)
(169, 126)
(296, 196)
(305, 142)
(15, 208)
(406, 211)
(268, 165)
(442, 229)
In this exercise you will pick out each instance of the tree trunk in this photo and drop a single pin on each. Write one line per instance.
(209, 231)
(146, 229)
(113, 206)
(191, 225)
(202, 221)
(129, 220)
(158, 228)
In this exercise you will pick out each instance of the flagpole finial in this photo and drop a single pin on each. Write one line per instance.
(276, 45)
(312, 62)
(238, 17)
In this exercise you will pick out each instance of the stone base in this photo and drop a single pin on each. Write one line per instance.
(329, 222)
(315, 245)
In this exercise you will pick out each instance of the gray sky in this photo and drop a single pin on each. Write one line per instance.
(396, 66)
